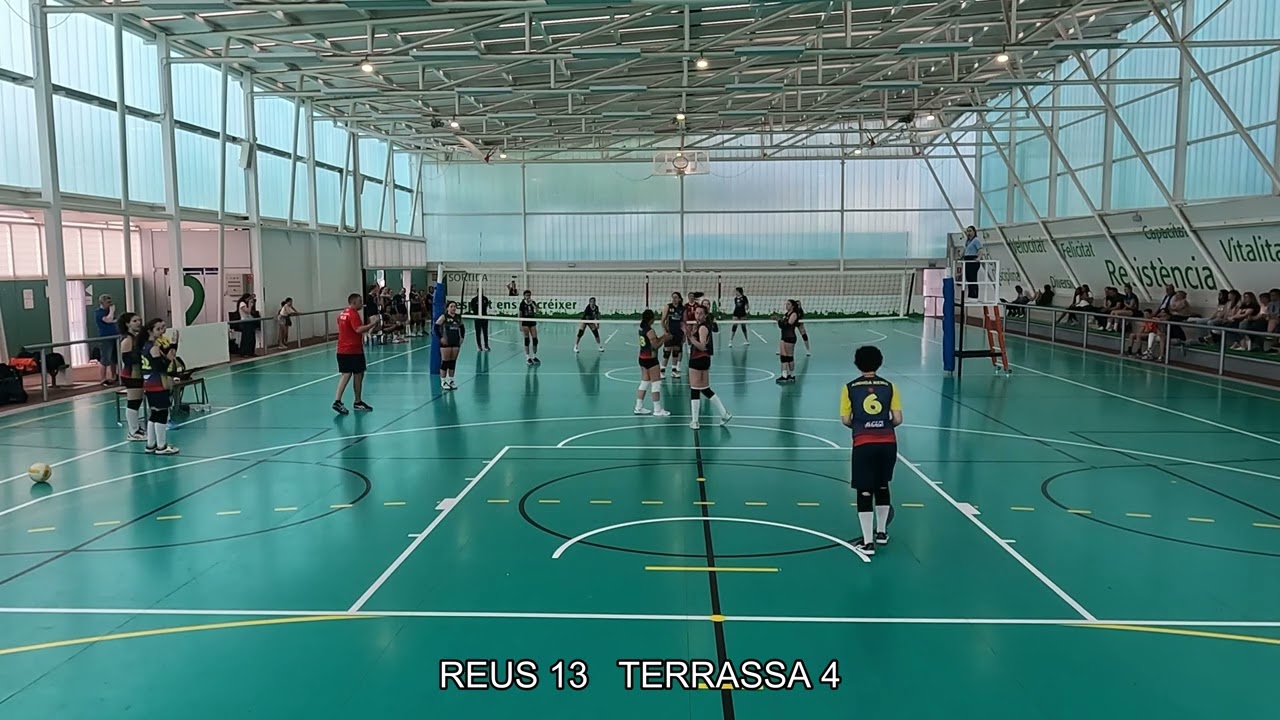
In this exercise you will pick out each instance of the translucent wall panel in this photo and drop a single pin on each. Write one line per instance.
(901, 184)
(87, 148)
(760, 185)
(1031, 156)
(331, 143)
(594, 187)
(328, 185)
(1131, 185)
(404, 212)
(998, 203)
(1070, 203)
(762, 236)
(197, 98)
(1224, 167)
(471, 188)
(373, 207)
(1252, 99)
(373, 157)
(603, 238)
(1082, 140)
(474, 238)
(146, 171)
(78, 46)
(198, 170)
(1151, 120)
(1038, 190)
(19, 150)
(15, 38)
(274, 117)
(895, 235)
(273, 185)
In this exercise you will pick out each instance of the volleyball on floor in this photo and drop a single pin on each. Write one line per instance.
(40, 472)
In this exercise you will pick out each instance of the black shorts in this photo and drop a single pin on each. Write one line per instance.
(872, 465)
(700, 363)
(647, 363)
(789, 339)
(159, 399)
(676, 341)
(351, 364)
(131, 383)
(739, 316)
(528, 324)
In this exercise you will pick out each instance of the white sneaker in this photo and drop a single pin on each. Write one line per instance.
(643, 411)
(694, 424)
(661, 413)
(575, 348)
(601, 348)
(725, 418)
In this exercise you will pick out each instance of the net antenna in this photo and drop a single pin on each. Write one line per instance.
(972, 285)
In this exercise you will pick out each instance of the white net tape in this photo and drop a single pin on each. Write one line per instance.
(851, 294)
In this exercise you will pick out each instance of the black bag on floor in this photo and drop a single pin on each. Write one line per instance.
(11, 390)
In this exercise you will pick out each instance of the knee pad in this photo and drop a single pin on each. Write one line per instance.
(159, 417)
(666, 353)
(864, 501)
(448, 364)
(526, 341)
(644, 386)
(535, 343)
(707, 393)
(804, 336)
(693, 394)
(882, 495)
(134, 404)
(787, 358)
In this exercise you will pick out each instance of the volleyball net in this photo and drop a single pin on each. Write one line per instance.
(624, 296)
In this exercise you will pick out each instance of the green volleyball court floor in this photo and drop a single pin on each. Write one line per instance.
(1084, 538)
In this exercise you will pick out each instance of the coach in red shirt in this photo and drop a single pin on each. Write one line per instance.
(351, 351)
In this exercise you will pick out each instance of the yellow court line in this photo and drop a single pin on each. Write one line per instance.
(1188, 633)
(1080, 512)
(911, 505)
(104, 523)
(339, 506)
(753, 503)
(1272, 526)
(807, 504)
(674, 568)
(650, 502)
(393, 503)
(1201, 520)
(286, 509)
(1021, 508)
(549, 502)
(42, 529)
(1137, 515)
(175, 630)
(497, 501)
(702, 479)
(168, 517)
(229, 512)
(703, 502)
(601, 502)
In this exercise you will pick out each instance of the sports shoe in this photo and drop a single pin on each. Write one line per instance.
(866, 548)
(339, 408)
(882, 538)
(643, 411)
(694, 424)
(166, 450)
(575, 348)
(362, 405)
(136, 437)
(661, 413)
(725, 418)
(601, 348)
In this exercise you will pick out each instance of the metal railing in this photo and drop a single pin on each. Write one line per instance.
(1196, 329)
(269, 329)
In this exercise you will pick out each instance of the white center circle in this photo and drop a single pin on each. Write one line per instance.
(716, 378)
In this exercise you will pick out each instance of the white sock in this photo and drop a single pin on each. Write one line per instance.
(695, 406)
(719, 406)
(162, 431)
(151, 434)
(131, 417)
(639, 402)
(867, 520)
(657, 401)
(882, 517)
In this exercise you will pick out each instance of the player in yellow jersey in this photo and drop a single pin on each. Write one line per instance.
(871, 407)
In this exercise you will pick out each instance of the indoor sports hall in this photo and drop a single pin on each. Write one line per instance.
(393, 359)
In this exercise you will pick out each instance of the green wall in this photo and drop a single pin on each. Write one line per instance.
(24, 327)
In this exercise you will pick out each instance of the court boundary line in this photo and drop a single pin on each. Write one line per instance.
(649, 521)
(457, 499)
(206, 416)
(537, 615)
(1118, 396)
(1004, 545)
(565, 443)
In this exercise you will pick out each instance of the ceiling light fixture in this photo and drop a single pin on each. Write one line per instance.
(454, 124)
(679, 117)
(702, 63)
(366, 66)
(1002, 58)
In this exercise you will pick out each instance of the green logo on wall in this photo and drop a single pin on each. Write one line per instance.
(197, 297)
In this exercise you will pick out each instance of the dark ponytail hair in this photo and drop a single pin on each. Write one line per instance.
(123, 323)
(646, 319)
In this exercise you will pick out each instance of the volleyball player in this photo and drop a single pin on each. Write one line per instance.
(804, 334)
(528, 328)
(702, 347)
(673, 322)
(130, 326)
(650, 373)
(590, 319)
(871, 407)
(741, 306)
(451, 331)
(787, 345)
(157, 383)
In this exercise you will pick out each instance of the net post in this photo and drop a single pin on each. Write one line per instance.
(948, 323)
(438, 302)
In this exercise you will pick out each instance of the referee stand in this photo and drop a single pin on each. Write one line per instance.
(972, 284)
